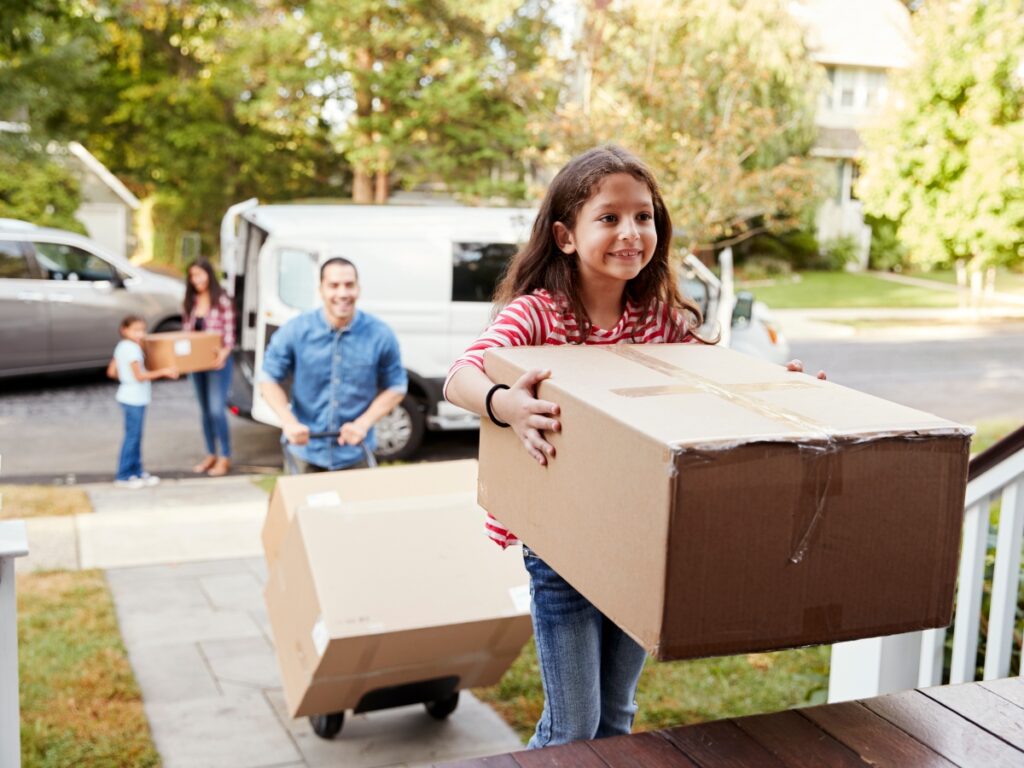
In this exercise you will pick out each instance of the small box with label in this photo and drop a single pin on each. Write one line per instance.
(188, 351)
(382, 585)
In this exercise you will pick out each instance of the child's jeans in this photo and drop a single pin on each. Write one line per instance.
(212, 393)
(589, 667)
(129, 464)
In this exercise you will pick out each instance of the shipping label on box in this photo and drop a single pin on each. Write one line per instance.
(188, 351)
(711, 503)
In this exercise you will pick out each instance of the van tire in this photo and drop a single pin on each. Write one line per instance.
(400, 433)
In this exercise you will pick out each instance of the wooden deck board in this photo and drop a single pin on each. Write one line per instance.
(798, 742)
(945, 731)
(974, 724)
(721, 743)
(989, 710)
(650, 750)
(1010, 688)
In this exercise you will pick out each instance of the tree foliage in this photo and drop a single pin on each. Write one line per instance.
(718, 97)
(946, 163)
(429, 90)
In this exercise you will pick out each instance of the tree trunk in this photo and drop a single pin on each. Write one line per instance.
(362, 186)
(382, 190)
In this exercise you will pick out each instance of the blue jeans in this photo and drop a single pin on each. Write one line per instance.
(212, 394)
(129, 464)
(588, 666)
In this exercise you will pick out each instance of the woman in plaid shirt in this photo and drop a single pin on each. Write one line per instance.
(209, 308)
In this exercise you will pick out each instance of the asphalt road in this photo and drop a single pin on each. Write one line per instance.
(68, 428)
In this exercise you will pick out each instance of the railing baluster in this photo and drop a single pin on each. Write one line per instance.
(1005, 580)
(933, 642)
(968, 597)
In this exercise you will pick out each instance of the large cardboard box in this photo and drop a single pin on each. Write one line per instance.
(711, 503)
(368, 595)
(188, 351)
(381, 485)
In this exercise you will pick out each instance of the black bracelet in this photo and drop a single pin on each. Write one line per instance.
(487, 405)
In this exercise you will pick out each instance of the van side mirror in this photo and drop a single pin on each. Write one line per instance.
(743, 310)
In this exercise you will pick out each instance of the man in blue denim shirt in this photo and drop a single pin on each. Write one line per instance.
(346, 374)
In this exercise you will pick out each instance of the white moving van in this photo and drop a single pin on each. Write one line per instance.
(427, 271)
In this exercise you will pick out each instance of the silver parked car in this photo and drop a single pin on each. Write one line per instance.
(62, 297)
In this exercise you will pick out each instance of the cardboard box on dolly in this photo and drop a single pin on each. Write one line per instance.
(383, 589)
(188, 351)
(711, 503)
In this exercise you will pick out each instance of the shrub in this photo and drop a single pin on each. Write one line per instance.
(887, 251)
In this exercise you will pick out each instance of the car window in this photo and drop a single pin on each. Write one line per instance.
(66, 262)
(477, 268)
(694, 289)
(297, 278)
(13, 263)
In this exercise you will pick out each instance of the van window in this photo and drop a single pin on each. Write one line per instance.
(13, 263)
(296, 278)
(477, 268)
(66, 262)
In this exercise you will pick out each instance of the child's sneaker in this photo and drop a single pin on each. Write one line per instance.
(132, 482)
(149, 480)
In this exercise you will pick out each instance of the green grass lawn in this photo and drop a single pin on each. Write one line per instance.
(989, 432)
(681, 692)
(832, 290)
(1006, 281)
(80, 704)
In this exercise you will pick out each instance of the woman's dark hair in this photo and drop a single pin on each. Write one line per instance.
(541, 264)
(213, 286)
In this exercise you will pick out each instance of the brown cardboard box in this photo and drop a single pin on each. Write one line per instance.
(711, 503)
(373, 594)
(381, 485)
(188, 351)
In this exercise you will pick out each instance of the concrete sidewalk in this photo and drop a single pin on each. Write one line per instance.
(185, 567)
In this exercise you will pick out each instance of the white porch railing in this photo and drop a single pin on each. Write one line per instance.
(13, 544)
(865, 668)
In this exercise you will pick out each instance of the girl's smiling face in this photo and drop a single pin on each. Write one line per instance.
(614, 235)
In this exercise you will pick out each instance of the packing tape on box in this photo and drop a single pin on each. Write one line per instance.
(738, 395)
(821, 471)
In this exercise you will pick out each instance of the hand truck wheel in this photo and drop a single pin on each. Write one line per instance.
(440, 709)
(328, 726)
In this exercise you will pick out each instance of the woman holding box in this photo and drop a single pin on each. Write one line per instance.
(209, 308)
(596, 270)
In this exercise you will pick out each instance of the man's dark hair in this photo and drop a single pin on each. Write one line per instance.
(341, 261)
(129, 320)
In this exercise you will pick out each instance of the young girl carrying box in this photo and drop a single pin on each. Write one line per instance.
(596, 270)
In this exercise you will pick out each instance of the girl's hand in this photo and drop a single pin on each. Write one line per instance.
(529, 417)
(797, 366)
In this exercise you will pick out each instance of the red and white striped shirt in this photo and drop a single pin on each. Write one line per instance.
(539, 318)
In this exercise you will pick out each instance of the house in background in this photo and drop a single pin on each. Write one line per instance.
(859, 44)
(108, 206)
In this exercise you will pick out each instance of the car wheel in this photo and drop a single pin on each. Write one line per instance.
(400, 433)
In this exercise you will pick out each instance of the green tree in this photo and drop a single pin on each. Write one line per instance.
(428, 90)
(946, 163)
(718, 97)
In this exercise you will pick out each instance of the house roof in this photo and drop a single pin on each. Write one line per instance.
(104, 175)
(866, 33)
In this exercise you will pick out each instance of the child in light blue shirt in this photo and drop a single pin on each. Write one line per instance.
(134, 394)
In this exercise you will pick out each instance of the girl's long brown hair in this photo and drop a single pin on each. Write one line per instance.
(540, 263)
(212, 285)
